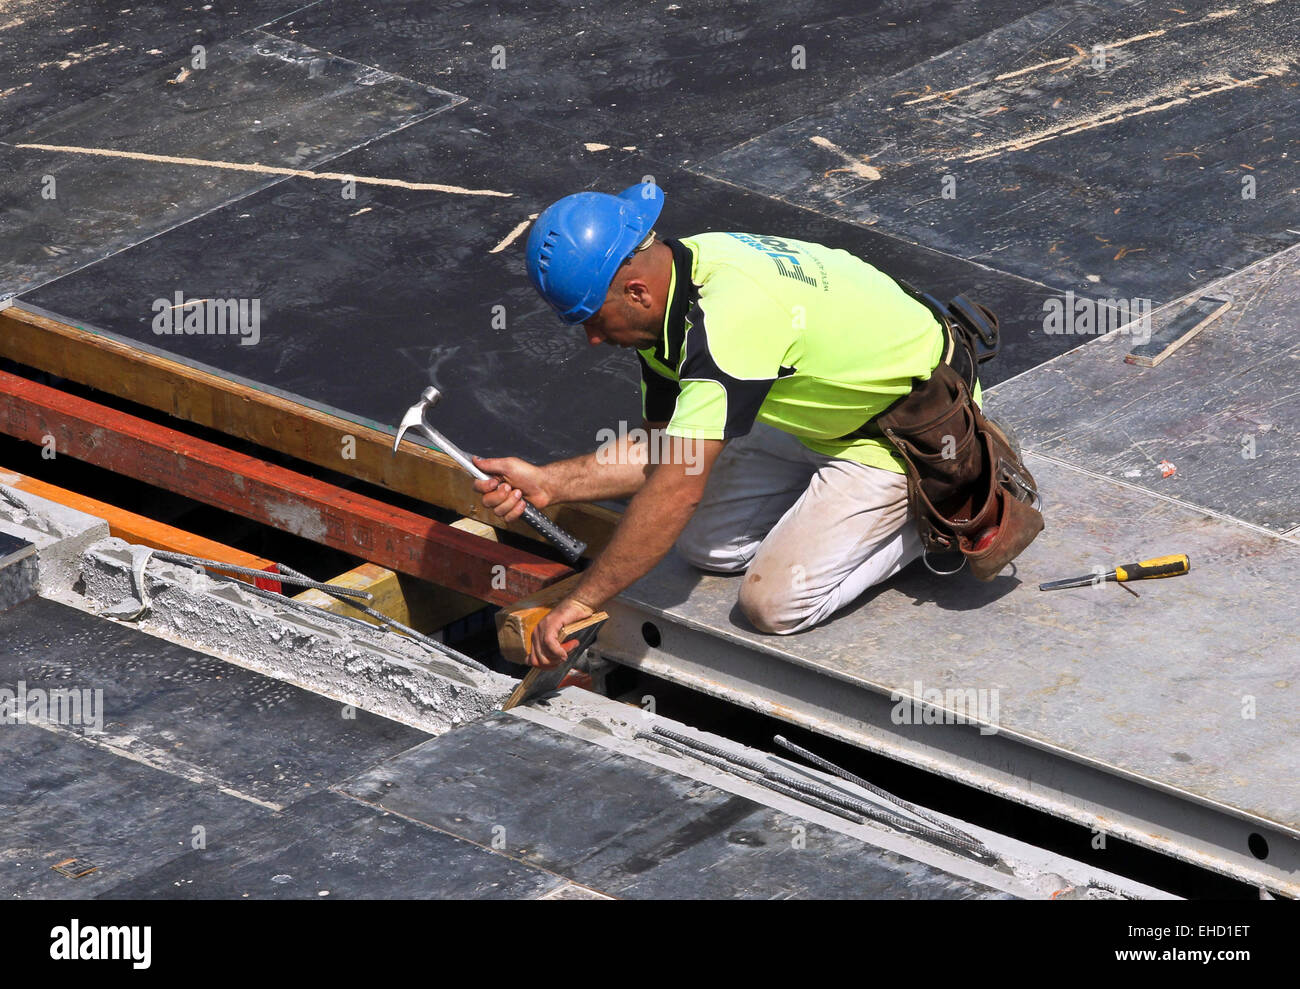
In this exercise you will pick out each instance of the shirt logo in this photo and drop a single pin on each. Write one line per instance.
(780, 252)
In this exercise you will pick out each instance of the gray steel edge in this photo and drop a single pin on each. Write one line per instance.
(1132, 808)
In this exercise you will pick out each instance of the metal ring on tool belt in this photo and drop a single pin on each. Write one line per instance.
(925, 558)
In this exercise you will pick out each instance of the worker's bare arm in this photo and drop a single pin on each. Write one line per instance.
(653, 521)
(616, 470)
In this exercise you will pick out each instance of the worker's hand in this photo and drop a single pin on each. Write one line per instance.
(513, 481)
(547, 650)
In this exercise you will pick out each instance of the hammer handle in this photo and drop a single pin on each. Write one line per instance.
(557, 537)
(561, 540)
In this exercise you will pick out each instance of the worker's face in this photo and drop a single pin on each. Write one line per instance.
(629, 318)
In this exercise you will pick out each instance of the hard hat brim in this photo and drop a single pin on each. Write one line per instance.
(648, 198)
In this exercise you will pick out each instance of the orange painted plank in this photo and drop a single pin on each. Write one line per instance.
(272, 495)
(144, 531)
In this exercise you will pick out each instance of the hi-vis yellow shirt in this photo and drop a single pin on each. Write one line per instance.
(806, 338)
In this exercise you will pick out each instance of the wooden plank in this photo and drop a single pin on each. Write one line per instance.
(381, 582)
(515, 623)
(199, 396)
(145, 531)
(272, 495)
(476, 527)
(410, 601)
(1175, 332)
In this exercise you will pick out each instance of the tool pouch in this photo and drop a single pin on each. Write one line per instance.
(964, 479)
(967, 487)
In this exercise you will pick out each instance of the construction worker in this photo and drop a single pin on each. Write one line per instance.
(759, 356)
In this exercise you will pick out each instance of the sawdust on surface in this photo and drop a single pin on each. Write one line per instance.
(1175, 94)
(853, 164)
(238, 166)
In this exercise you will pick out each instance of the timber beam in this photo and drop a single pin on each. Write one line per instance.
(272, 495)
(116, 367)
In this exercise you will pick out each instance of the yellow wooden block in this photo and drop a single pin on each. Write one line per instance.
(379, 581)
(423, 606)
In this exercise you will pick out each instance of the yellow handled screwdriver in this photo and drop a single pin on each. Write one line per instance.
(1161, 566)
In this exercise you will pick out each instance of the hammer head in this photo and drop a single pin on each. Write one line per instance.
(415, 414)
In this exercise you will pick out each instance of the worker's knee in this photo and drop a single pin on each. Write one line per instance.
(770, 606)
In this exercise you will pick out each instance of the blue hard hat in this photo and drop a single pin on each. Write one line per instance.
(578, 243)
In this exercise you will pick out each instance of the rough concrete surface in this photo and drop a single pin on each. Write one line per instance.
(374, 670)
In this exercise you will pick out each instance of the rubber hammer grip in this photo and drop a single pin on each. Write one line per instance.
(557, 537)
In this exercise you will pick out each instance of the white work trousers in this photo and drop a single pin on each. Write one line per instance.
(812, 532)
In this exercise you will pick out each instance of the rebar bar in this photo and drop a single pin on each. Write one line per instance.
(828, 795)
(849, 777)
(282, 574)
(439, 647)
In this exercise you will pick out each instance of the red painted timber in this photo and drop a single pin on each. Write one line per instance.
(254, 489)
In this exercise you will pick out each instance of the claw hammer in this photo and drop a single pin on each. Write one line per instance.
(415, 419)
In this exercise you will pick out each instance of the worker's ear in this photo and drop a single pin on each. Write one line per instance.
(636, 292)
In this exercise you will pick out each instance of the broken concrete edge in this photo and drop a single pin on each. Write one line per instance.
(1023, 870)
(78, 564)
(18, 581)
(370, 669)
(60, 534)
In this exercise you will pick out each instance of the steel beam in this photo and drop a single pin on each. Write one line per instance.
(1140, 811)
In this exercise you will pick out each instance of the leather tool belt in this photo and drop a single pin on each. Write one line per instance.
(967, 487)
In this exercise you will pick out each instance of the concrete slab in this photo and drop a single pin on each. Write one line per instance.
(59, 534)
(675, 90)
(192, 715)
(53, 56)
(18, 573)
(1011, 865)
(13, 549)
(178, 787)
(330, 846)
(1110, 148)
(64, 798)
(181, 776)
